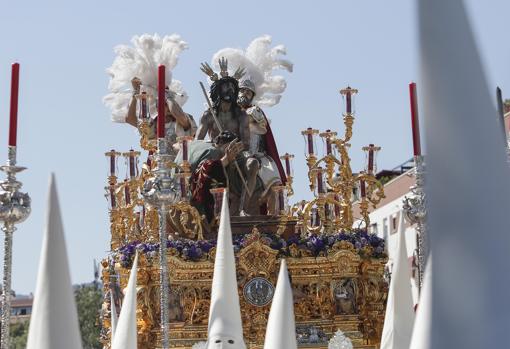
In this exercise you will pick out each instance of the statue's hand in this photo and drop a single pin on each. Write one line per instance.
(231, 151)
(136, 83)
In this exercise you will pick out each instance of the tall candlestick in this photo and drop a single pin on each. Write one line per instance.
(13, 118)
(370, 158)
(414, 119)
(161, 101)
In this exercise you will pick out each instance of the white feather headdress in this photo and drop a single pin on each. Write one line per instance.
(259, 60)
(142, 60)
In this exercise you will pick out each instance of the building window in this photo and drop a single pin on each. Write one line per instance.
(373, 228)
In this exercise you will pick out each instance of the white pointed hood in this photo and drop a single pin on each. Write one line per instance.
(113, 315)
(281, 327)
(54, 320)
(399, 319)
(126, 332)
(225, 325)
(422, 325)
(468, 189)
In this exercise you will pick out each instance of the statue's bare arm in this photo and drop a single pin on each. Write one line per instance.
(205, 124)
(179, 115)
(131, 114)
(244, 130)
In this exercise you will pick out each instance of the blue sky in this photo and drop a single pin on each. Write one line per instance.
(64, 48)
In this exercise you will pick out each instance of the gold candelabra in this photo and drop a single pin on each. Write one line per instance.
(334, 184)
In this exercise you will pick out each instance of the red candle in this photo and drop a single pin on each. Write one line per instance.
(362, 188)
(126, 193)
(161, 101)
(144, 105)
(131, 164)
(13, 119)
(348, 102)
(370, 158)
(414, 119)
(310, 141)
(112, 162)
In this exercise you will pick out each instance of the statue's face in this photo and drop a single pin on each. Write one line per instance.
(227, 92)
(245, 97)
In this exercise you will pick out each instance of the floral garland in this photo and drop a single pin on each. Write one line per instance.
(367, 245)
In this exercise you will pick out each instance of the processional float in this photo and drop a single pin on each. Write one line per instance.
(336, 270)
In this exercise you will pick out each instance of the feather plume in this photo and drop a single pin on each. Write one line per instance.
(259, 60)
(141, 60)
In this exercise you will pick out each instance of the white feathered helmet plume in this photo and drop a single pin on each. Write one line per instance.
(142, 60)
(259, 61)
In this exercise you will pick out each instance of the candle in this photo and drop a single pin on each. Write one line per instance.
(131, 164)
(414, 119)
(112, 162)
(370, 158)
(144, 105)
(126, 193)
(287, 165)
(310, 140)
(13, 118)
(348, 101)
(161, 101)
(328, 143)
(362, 188)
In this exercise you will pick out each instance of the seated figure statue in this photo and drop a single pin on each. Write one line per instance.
(263, 166)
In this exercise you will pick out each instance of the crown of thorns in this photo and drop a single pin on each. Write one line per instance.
(223, 62)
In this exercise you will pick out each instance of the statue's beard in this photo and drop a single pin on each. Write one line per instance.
(244, 101)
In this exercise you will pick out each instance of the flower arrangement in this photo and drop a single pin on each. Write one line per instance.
(367, 245)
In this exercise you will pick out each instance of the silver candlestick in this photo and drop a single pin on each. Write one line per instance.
(416, 212)
(14, 209)
(160, 192)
